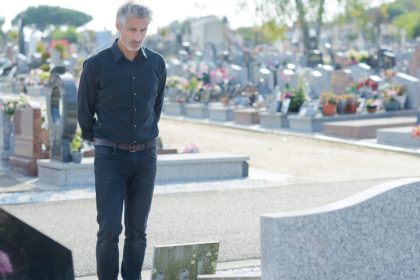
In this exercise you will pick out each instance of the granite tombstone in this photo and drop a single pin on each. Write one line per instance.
(28, 254)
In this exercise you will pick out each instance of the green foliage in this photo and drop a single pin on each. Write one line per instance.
(298, 96)
(39, 48)
(410, 22)
(43, 16)
(12, 35)
(69, 34)
(76, 142)
(268, 32)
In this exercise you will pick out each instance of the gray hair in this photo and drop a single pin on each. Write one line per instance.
(132, 8)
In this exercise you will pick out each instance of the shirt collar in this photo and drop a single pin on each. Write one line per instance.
(118, 53)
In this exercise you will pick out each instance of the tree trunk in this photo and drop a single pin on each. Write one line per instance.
(303, 26)
(319, 22)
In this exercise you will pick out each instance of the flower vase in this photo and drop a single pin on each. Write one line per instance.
(329, 109)
(351, 108)
(392, 106)
(8, 133)
(371, 109)
(401, 99)
(76, 156)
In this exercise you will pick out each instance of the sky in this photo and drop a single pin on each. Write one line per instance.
(103, 12)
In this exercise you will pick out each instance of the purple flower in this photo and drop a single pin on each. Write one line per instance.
(5, 265)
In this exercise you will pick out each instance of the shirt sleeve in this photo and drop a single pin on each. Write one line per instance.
(161, 90)
(86, 100)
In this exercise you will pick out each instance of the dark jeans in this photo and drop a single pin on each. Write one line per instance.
(122, 179)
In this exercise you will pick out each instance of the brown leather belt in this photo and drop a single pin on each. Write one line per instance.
(131, 147)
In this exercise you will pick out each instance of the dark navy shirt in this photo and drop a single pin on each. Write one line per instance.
(121, 100)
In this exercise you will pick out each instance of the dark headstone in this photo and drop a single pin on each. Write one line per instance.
(62, 113)
(314, 58)
(28, 254)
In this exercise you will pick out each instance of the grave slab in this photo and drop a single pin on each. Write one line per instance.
(196, 111)
(274, 120)
(371, 235)
(231, 277)
(184, 261)
(170, 168)
(362, 129)
(221, 113)
(174, 108)
(397, 136)
(246, 116)
(316, 123)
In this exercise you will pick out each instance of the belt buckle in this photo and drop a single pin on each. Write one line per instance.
(131, 147)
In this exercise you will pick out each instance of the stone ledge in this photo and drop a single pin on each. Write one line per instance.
(171, 168)
(365, 128)
(316, 124)
(397, 136)
(228, 277)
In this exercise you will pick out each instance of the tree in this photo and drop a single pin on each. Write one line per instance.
(301, 12)
(43, 16)
(69, 34)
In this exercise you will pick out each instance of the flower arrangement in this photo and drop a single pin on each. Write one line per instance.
(76, 142)
(366, 88)
(328, 98)
(188, 149)
(391, 91)
(297, 96)
(5, 265)
(415, 131)
(10, 105)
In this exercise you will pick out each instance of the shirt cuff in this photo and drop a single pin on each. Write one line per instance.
(88, 135)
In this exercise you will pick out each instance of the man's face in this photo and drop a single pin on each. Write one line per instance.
(133, 32)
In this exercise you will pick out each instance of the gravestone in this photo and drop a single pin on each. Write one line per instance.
(340, 80)
(238, 74)
(415, 64)
(371, 235)
(360, 71)
(62, 113)
(184, 262)
(26, 253)
(412, 88)
(27, 140)
(6, 136)
(318, 83)
(174, 68)
(287, 76)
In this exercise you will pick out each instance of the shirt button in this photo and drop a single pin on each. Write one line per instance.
(135, 93)
(135, 110)
(135, 125)
(134, 78)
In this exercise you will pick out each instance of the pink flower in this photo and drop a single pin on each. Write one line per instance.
(5, 265)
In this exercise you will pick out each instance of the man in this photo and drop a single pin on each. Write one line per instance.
(123, 85)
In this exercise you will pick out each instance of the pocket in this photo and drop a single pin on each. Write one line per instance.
(152, 152)
(104, 151)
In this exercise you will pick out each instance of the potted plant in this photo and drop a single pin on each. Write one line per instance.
(371, 106)
(328, 101)
(76, 146)
(351, 104)
(297, 96)
(394, 97)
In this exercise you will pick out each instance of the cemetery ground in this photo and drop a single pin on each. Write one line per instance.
(305, 172)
